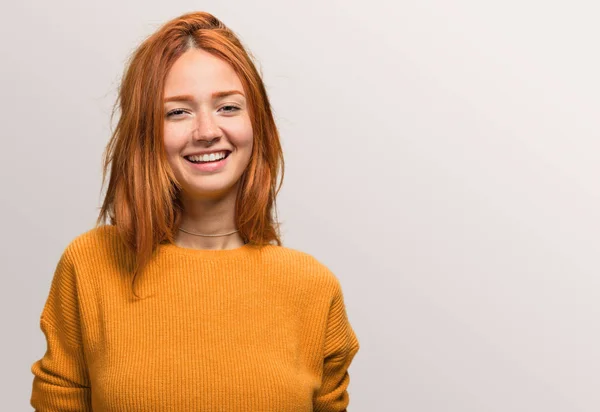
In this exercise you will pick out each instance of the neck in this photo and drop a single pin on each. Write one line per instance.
(209, 216)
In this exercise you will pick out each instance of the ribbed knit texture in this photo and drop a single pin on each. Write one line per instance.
(246, 329)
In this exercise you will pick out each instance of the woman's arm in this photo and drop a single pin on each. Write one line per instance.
(61, 381)
(341, 345)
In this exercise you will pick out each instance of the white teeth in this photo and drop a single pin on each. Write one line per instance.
(208, 158)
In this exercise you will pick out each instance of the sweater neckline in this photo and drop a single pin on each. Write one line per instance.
(208, 253)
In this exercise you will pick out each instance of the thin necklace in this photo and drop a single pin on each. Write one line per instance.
(199, 234)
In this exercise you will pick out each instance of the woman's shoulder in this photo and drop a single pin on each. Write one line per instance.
(99, 234)
(305, 265)
(103, 239)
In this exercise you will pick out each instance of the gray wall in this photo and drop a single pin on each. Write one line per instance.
(442, 159)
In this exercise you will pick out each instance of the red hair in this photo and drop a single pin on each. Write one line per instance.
(142, 198)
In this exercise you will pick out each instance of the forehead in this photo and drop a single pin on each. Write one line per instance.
(200, 73)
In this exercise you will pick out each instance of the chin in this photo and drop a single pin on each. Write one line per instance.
(209, 191)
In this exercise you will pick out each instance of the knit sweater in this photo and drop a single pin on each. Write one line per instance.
(245, 329)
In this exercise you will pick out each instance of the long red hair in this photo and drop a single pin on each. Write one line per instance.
(142, 198)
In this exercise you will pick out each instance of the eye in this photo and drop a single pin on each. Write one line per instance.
(234, 107)
(174, 112)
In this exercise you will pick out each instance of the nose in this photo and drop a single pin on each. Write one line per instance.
(205, 128)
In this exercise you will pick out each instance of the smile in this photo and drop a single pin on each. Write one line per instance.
(208, 166)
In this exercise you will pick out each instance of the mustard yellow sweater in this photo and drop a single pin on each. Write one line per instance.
(246, 329)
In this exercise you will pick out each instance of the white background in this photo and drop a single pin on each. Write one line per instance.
(442, 158)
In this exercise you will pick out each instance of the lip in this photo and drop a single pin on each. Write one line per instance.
(203, 152)
(209, 167)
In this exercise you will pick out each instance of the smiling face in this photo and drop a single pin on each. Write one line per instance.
(195, 114)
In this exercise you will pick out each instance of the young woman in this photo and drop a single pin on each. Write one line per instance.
(187, 300)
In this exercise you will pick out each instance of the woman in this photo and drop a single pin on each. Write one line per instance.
(187, 301)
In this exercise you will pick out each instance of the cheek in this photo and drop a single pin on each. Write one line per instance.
(245, 139)
(242, 134)
(173, 141)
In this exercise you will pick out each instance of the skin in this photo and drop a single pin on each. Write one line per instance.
(208, 197)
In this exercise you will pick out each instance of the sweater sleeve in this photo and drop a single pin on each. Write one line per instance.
(341, 344)
(61, 381)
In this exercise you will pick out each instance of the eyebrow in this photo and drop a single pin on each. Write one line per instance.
(190, 98)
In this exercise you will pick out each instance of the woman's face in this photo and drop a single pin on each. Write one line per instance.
(194, 116)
